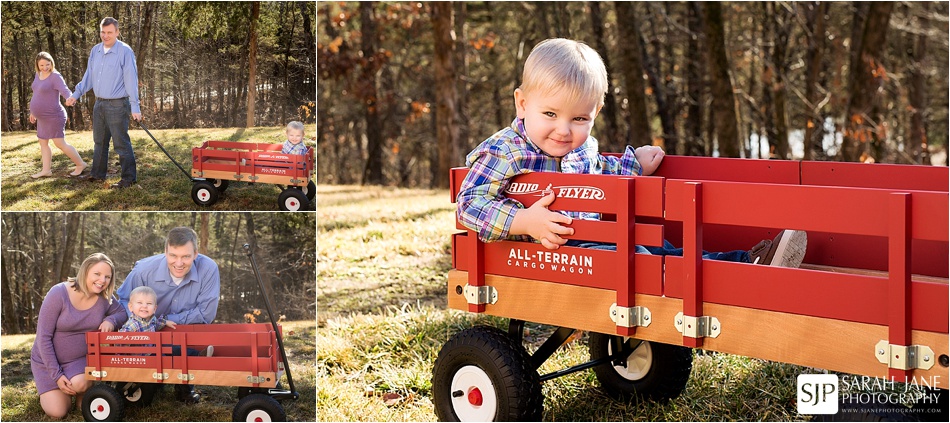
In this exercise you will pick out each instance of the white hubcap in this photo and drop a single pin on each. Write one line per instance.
(203, 194)
(258, 416)
(292, 204)
(473, 395)
(638, 362)
(99, 408)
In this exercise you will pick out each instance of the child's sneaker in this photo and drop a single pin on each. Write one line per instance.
(786, 250)
(208, 352)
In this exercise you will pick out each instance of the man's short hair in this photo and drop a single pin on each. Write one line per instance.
(180, 236)
(560, 64)
(109, 21)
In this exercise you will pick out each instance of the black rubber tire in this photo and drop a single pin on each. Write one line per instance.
(936, 411)
(102, 403)
(204, 193)
(665, 378)
(220, 184)
(516, 385)
(137, 394)
(292, 199)
(310, 190)
(258, 405)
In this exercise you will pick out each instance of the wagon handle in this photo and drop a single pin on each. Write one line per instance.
(187, 175)
(273, 321)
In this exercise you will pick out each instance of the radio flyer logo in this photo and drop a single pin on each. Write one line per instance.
(579, 192)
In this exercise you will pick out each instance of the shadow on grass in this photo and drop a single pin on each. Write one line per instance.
(334, 225)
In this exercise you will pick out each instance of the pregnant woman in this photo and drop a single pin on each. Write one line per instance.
(49, 115)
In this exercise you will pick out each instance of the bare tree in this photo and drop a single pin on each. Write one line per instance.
(724, 112)
(631, 65)
(252, 64)
(446, 114)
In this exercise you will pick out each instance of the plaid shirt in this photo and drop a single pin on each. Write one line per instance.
(482, 205)
(137, 324)
(291, 148)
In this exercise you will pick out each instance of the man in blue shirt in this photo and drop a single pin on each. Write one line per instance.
(112, 76)
(187, 284)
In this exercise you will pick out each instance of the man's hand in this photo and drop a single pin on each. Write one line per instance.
(542, 224)
(70, 101)
(137, 116)
(649, 157)
(65, 385)
(106, 327)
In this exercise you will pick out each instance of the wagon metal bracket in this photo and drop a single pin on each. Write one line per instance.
(98, 373)
(160, 376)
(186, 376)
(904, 357)
(697, 327)
(629, 317)
(483, 294)
(256, 379)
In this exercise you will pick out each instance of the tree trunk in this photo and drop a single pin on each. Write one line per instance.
(69, 246)
(373, 171)
(864, 122)
(695, 69)
(609, 139)
(203, 233)
(653, 65)
(259, 257)
(252, 64)
(724, 101)
(779, 90)
(631, 63)
(446, 115)
(814, 119)
(142, 50)
(917, 90)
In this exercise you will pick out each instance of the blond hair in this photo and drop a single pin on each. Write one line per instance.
(557, 64)
(44, 56)
(143, 290)
(79, 282)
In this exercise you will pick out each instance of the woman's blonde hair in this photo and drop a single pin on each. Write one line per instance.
(79, 282)
(44, 56)
(560, 64)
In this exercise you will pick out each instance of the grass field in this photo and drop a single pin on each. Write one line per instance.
(161, 185)
(382, 262)
(21, 403)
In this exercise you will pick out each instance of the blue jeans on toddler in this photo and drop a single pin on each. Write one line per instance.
(667, 249)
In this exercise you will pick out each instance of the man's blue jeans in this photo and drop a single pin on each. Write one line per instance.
(110, 120)
(667, 250)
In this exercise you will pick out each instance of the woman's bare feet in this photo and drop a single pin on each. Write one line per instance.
(78, 170)
(41, 174)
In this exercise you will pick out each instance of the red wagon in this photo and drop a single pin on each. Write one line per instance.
(871, 297)
(215, 163)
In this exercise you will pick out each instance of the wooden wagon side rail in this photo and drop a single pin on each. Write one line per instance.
(244, 355)
(251, 162)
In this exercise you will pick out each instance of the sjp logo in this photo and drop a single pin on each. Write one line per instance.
(817, 394)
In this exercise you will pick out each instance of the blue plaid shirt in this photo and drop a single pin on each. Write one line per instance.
(482, 204)
(291, 148)
(138, 324)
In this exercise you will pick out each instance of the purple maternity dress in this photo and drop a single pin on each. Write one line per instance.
(46, 107)
(60, 345)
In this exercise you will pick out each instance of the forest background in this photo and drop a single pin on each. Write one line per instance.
(406, 89)
(195, 59)
(43, 249)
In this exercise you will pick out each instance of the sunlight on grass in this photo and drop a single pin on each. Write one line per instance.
(161, 185)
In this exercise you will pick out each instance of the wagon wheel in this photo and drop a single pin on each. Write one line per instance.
(652, 370)
(481, 374)
(204, 193)
(258, 408)
(103, 403)
(220, 184)
(310, 190)
(139, 394)
(292, 199)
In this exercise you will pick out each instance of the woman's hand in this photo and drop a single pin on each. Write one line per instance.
(65, 385)
(106, 326)
(32, 118)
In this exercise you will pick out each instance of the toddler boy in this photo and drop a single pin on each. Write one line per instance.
(563, 87)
